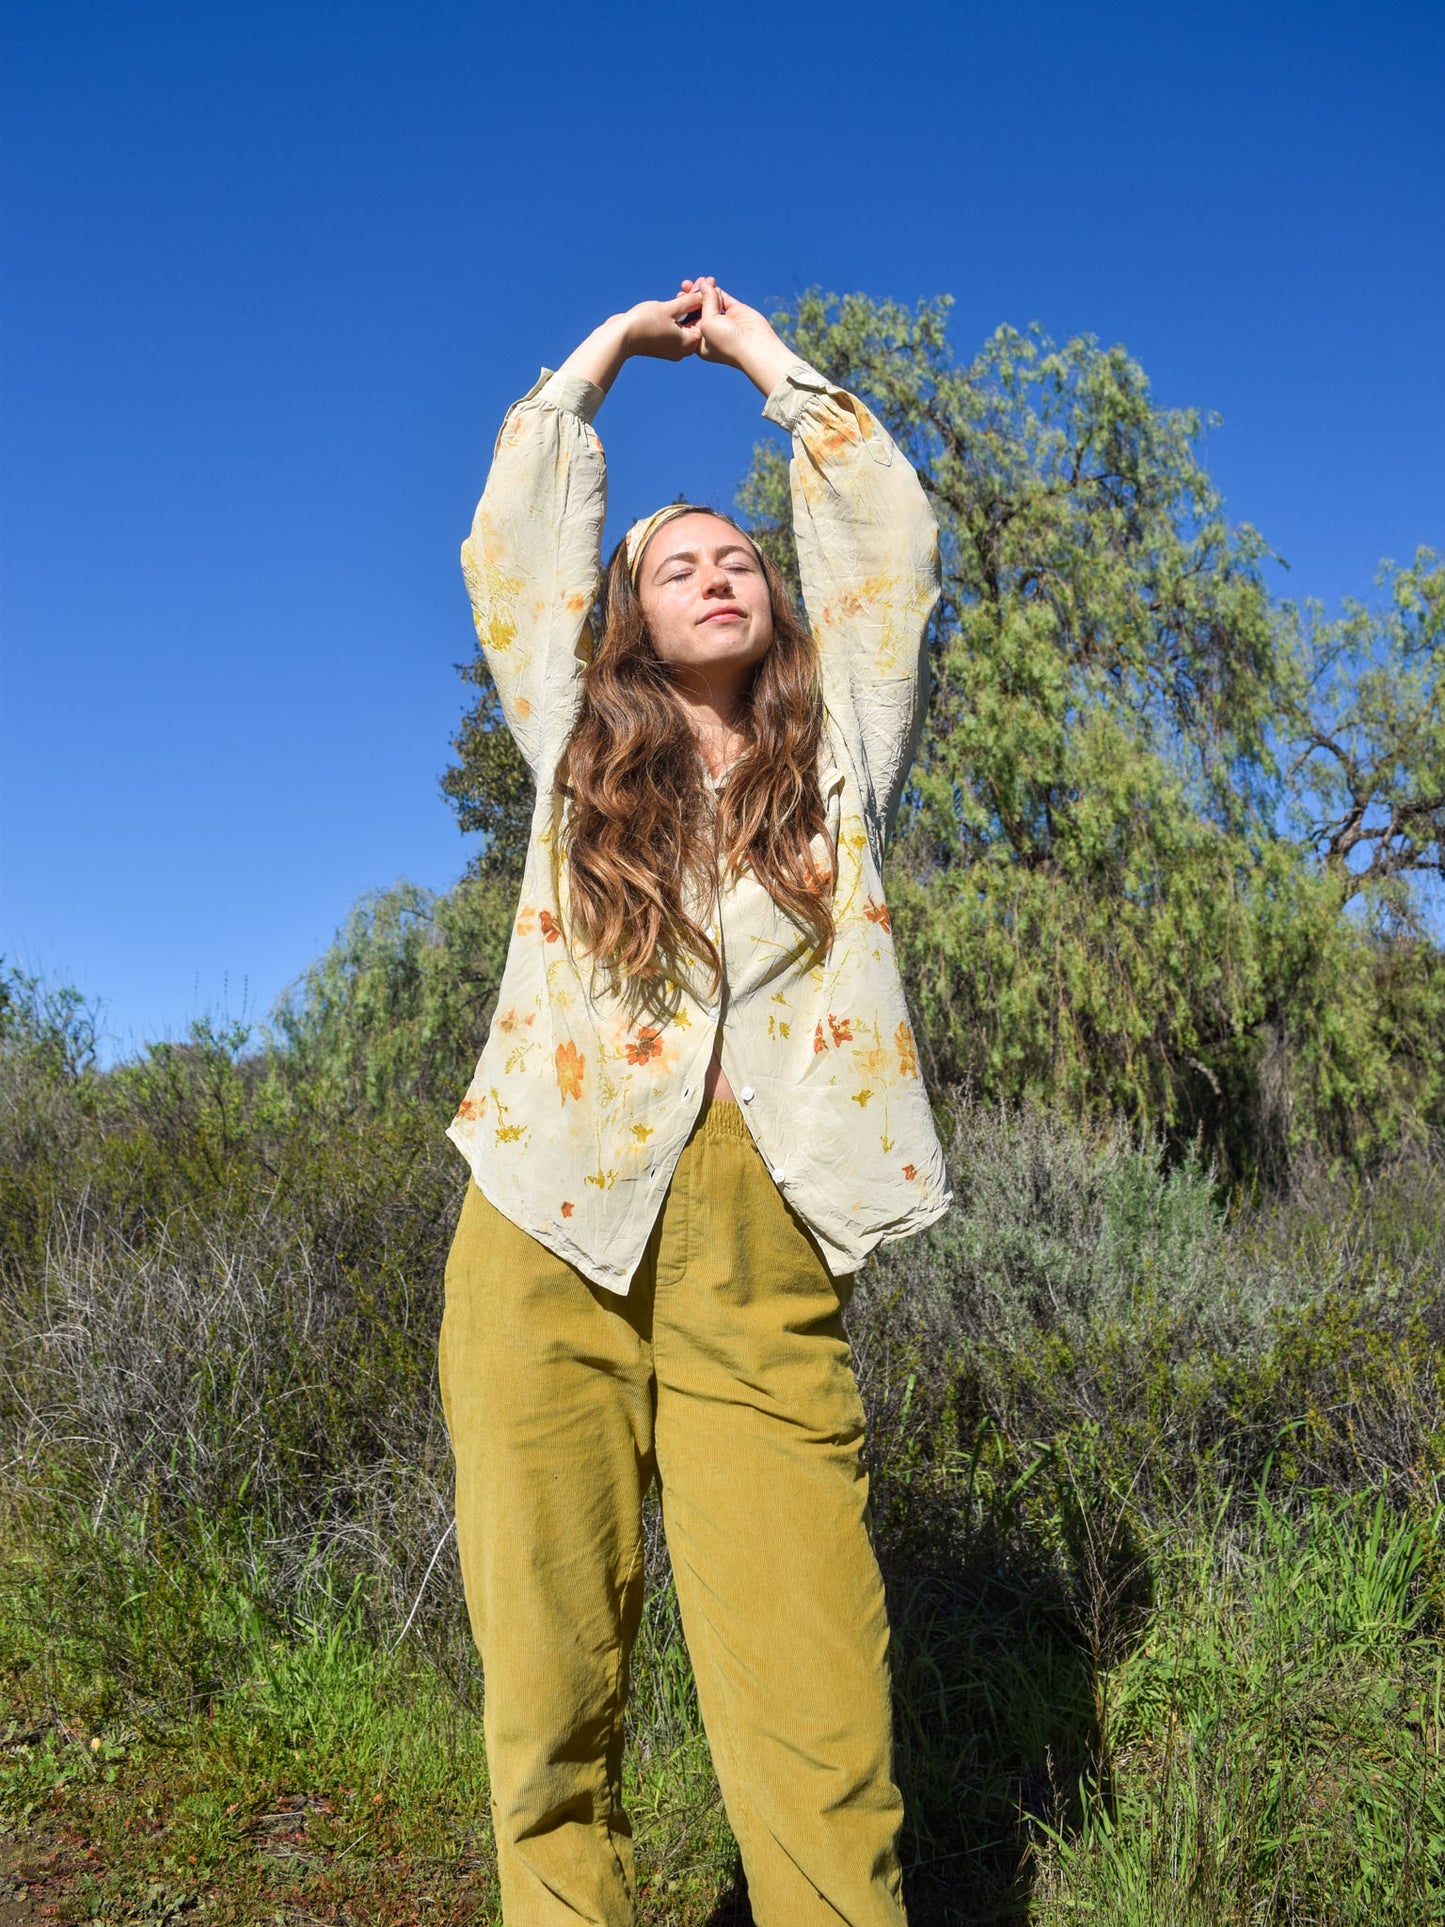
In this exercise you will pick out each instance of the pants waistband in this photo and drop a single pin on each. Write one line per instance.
(721, 1117)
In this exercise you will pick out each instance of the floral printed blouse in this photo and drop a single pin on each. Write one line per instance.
(579, 1111)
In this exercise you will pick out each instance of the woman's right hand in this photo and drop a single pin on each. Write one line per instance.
(668, 330)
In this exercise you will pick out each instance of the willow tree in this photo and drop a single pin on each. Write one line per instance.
(1095, 898)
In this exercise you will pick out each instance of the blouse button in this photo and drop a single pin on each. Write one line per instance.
(746, 1093)
(780, 1177)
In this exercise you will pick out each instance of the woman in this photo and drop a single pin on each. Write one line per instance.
(697, 1111)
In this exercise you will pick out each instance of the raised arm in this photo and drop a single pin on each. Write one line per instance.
(532, 560)
(867, 550)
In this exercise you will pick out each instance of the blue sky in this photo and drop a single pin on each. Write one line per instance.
(271, 275)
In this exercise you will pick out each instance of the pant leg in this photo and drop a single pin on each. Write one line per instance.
(759, 1434)
(547, 1390)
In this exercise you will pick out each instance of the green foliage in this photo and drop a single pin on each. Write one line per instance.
(489, 786)
(1272, 1751)
(225, 1511)
(1094, 900)
(397, 1007)
(1368, 771)
(50, 1023)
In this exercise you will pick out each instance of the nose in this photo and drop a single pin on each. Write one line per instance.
(717, 581)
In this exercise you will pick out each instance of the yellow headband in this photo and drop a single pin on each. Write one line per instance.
(641, 533)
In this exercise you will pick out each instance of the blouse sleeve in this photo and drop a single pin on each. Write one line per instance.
(868, 555)
(532, 560)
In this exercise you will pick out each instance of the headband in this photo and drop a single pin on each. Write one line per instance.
(641, 533)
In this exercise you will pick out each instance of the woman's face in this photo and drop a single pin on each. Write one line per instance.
(706, 599)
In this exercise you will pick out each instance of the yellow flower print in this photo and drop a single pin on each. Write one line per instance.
(570, 1066)
(861, 1099)
(642, 1132)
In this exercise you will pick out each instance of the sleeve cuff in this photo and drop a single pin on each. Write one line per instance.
(572, 393)
(793, 393)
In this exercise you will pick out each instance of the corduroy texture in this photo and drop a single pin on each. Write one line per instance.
(725, 1372)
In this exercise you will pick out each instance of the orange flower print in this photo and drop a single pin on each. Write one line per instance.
(647, 1046)
(878, 913)
(570, 1066)
(568, 1209)
(526, 920)
(842, 1029)
(910, 1171)
(510, 1019)
(819, 1041)
(907, 1050)
(551, 929)
(470, 1108)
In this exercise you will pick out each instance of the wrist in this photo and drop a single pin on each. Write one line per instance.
(621, 331)
(767, 362)
(602, 354)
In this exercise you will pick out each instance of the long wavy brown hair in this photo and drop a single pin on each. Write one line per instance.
(645, 845)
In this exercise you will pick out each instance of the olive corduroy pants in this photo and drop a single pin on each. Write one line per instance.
(724, 1373)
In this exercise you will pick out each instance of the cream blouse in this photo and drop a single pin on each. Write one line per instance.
(578, 1111)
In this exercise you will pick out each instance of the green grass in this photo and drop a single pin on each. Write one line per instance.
(324, 1776)
(1264, 1745)
(1272, 1750)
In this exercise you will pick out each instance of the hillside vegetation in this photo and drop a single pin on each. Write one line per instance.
(1156, 1415)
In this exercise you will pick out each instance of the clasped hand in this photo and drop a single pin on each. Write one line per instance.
(700, 319)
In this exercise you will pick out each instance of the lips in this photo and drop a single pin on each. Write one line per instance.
(719, 615)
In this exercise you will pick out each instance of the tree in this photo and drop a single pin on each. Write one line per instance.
(1367, 770)
(489, 786)
(1094, 898)
(396, 1010)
